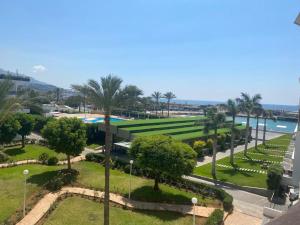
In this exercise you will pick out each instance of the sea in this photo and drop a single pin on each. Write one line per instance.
(286, 108)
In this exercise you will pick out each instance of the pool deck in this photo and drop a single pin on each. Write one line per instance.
(82, 115)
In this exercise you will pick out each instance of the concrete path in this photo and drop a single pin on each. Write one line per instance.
(41, 208)
(239, 218)
(240, 148)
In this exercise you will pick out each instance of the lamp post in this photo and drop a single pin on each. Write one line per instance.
(131, 162)
(25, 173)
(194, 201)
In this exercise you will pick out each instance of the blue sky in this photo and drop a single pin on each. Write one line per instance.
(199, 49)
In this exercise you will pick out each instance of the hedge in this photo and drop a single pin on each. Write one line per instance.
(199, 188)
(216, 218)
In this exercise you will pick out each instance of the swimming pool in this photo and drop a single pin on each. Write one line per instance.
(99, 119)
(278, 125)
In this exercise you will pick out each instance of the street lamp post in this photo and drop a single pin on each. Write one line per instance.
(25, 173)
(131, 162)
(194, 201)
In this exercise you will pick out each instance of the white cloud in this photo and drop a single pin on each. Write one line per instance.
(39, 68)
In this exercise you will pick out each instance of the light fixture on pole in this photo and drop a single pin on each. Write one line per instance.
(194, 201)
(25, 173)
(131, 162)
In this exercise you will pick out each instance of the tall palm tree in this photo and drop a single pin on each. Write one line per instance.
(7, 103)
(214, 121)
(247, 104)
(169, 96)
(157, 96)
(267, 114)
(131, 95)
(83, 91)
(105, 95)
(233, 109)
(257, 111)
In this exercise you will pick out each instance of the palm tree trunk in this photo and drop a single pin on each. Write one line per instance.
(232, 141)
(256, 132)
(84, 102)
(168, 109)
(69, 162)
(107, 167)
(156, 108)
(156, 181)
(265, 129)
(247, 135)
(23, 141)
(213, 166)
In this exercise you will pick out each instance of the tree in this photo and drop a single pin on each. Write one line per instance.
(83, 91)
(257, 111)
(74, 101)
(8, 104)
(233, 109)
(27, 124)
(106, 95)
(157, 96)
(8, 130)
(131, 95)
(66, 135)
(274, 177)
(214, 121)
(267, 114)
(246, 105)
(152, 152)
(169, 96)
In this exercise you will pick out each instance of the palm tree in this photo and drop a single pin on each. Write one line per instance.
(214, 121)
(105, 95)
(267, 114)
(257, 111)
(131, 95)
(247, 104)
(157, 96)
(169, 96)
(83, 91)
(233, 109)
(7, 103)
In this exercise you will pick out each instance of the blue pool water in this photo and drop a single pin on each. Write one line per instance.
(99, 120)
(279, 125)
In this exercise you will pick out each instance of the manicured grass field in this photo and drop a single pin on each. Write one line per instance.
(76, 210)
(245, 178)
(91, 176)
(30, 151)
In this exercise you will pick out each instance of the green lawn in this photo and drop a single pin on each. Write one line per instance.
(76, 210)
(30, 151)
(93, 146)
(91, 176)
(245, 178)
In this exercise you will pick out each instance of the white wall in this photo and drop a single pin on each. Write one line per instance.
(296, 161)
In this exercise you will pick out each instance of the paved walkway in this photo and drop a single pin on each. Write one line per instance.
(40, 209)
(240, 148)
(239, 218)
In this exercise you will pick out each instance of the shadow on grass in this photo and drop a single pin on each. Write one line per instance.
(147, 194)
(162, 215)
(15, 151)
(42, 178)
(234, 171)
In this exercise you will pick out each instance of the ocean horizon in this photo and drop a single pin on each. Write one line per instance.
(288, 108)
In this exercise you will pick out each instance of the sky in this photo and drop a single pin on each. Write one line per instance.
(198, 49)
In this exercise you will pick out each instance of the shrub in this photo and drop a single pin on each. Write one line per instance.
(54, 184)
(52, 161)
(221, 141)
(216, 218)
(3, 157)
(227, 202)
(209, 144)
(63, 177)
(43, 157)
(274, 176)
(95, 157)
(198, 147)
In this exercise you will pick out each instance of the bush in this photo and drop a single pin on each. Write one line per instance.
(198, 147)
(216, 218)
(52, 161)
(95, 157)
(227, 202)
(63, 177)
(43, 158)
(274, 177)
(209, 144)
(3, 157)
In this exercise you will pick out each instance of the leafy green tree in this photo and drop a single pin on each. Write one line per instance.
(214, 121)
(169, 96)
(106, 95)
(66, 135)
(156, 96)
(267, 114)
(27, 124)
(8, 104)
(153, 152)
(233, 109)
(74, 101)
(247, 105)
(8, 130)
(198, 147)
(274, 177)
